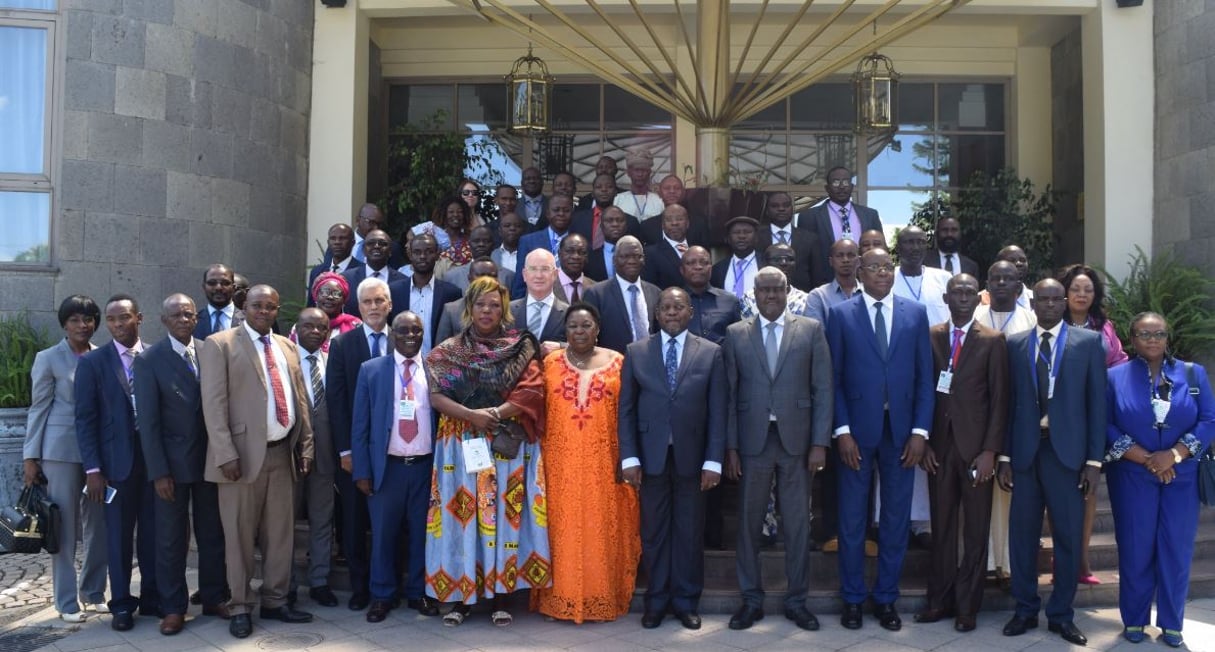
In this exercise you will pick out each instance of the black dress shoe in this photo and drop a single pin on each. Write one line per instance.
(689, 619)
(323, 596)
(285, 614)
(291, 599)
(423, 605)
(746, 616)
(651, 619)
(1017, 625)
(1069, 632)
(802, 617)
(887, 617)
(359, 601)
(851, 618)
(196, 598)
(923, 540)
(123, 621)
(241, 626)
(378, 611)
(932, 615)
(964, 623)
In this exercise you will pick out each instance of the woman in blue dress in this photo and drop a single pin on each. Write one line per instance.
(1161, 418)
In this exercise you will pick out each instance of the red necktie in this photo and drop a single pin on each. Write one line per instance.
(596, 232)
(957, 349)
(276, 384)
(407, 428)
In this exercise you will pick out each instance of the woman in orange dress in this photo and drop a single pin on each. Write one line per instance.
(594, 519)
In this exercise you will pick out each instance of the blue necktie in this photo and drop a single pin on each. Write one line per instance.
(640, 329)
(375, 344)
(671, 364)
(879, 328)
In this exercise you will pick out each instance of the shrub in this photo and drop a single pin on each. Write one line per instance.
(1180, 292)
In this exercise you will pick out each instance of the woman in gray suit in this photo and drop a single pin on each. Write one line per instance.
(52, 456)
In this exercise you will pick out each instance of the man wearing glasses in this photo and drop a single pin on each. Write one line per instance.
(838, 217)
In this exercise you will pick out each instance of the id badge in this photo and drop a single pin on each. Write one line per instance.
(944, 381)
(476, 455)
(1050, 387)
(406, 409)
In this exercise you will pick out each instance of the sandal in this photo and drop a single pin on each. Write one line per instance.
(1133, 634)
(1172, 638)
(455, 617)
(501, 618)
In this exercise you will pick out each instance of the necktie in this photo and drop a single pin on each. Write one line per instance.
(555, 243)
(784, 236)
(739, 287)
(314, 373)
(276, 384)
(375, 275)
(671, 364)
(949, 262)
(682, 248)
(845, 223)
(1043, 370)
(771, 347)
(334, 269)
(879, 329)
(957, 349)
(407, 428)
(534, 323)
(191, 364)
(639, 322)
(596, 231)
(375, 344)
(574, 290)
(129, 367)
(216, 324)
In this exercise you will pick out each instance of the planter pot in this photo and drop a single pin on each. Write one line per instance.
(12, 437)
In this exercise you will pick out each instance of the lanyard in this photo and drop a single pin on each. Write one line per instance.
(1052, 365)
(992, 315)
(640, 207)
(911, 289)
(406, 381)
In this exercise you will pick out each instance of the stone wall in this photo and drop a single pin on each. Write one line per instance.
(1067, 144)
(1185, 130)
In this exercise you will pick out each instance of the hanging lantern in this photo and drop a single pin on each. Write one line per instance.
(529, 90)
(876, 86)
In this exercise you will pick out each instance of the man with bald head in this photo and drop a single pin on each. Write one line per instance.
(782, 257)
(807, 273)
(588, 220)
(377, 247)
(625, 302)
(560, 214)
(606, 165)
(663, 258)
(341, 246)
(173, 439)
(370, 218)
(672, 192)
(614, 224)
(541, 311)
(1015, 256)
(572, 255)
(535, 204)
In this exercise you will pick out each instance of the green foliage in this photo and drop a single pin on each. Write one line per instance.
(1180, 292)
(19, 343)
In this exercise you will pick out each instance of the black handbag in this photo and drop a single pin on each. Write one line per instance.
(507, 439)
(1206, 461)
(30, 525)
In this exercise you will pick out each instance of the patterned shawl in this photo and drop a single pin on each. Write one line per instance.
(480, 372)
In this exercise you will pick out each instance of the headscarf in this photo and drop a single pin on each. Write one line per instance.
(342, 322)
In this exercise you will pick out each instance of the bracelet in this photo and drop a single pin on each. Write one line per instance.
(494, 411)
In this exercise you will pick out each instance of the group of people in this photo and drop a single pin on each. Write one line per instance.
(486, 397)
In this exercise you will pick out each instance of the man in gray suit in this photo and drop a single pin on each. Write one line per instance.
(838, 217)
(777, 423)
(540, 311)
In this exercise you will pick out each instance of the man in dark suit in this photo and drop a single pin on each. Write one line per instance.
(882, 357)
(347, 352)
(316, 491)
(589, 220)
(670, 189)
(605, 165)
(663, 258)
(370, 218)
(970, 363)
(534, 205)
(423, 294)
(560, 212)
(779, 230)
(540, 312)
(219, 285)
(450, 320)
(736, 274)
(779, 424)
(672, 436)
(1052, 455)
(392, 440)
(341, 243)
(571, 283)
(173, 440)
(106, 431)
(614, 224)
(713, 309)
(945, 254)
(838, 217)
(625, 302)
(376, 246)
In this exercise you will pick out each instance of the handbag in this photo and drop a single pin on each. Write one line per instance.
(31, 524)
(507, 439)
(1206, 461)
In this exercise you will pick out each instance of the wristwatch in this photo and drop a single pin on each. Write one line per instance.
(1176, 455)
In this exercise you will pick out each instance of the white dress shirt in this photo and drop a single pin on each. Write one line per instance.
(225, 321)
(421, 303)
(274, 430)
(749, 271)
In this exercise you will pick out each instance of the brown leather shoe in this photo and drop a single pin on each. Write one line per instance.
(871, 548)
(831, 545)
(172, 624)
(218, 610)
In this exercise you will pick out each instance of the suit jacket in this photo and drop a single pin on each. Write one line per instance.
(596, 266)
(347, 352)
(818, 221)
(798, 394)
(1077, 410)
(717, 277)
(691, 418)
(444, 293)
(808, 273)
(535, 240)
(554, 327)
(202, 330)
(976, 408)
(583, 222)
(861, 373)
(697, 236)
(235, 395)
(540, 224)
(355, 275)
(50, 425)
(662, 265)
(172, 433)
(615, 329)
(324, 456)
(459, 278)
(712, 313)
(105, 421)
(1131, 415)
(968, 265)
(450, 321)
(375, 418)
(559, 289)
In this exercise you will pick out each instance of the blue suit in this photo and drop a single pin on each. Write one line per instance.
(108, 440)
(401, 492)
(863, 382)
(1047, 465)
(539, 239)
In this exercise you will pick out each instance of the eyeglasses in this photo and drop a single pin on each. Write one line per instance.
(218, 282)
(469, 192)
(874, 268)
(1151, 336)
(330, 293)
(840, 183)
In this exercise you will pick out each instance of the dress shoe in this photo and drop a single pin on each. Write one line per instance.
(217, 610)
(746, 616)
(292, 598)
(378, 611)
(887, 617)
(851, 618)
(932, 615)
(1069, 632)
(923, 540)
(172, 624)
(423, 605)
(651, 619)
(196, 598)
(359, 601)
(1172, 638)
(831, 545)
(689, 619)
(241, 626)
(802, 617)
(123, 621)
(1133, 634)
(1017, 625)
(964, 624)
(323, 596)
(285, 614)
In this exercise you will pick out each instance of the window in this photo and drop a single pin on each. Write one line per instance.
(27, 45)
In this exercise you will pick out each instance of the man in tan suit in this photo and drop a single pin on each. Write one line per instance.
(259, 437)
